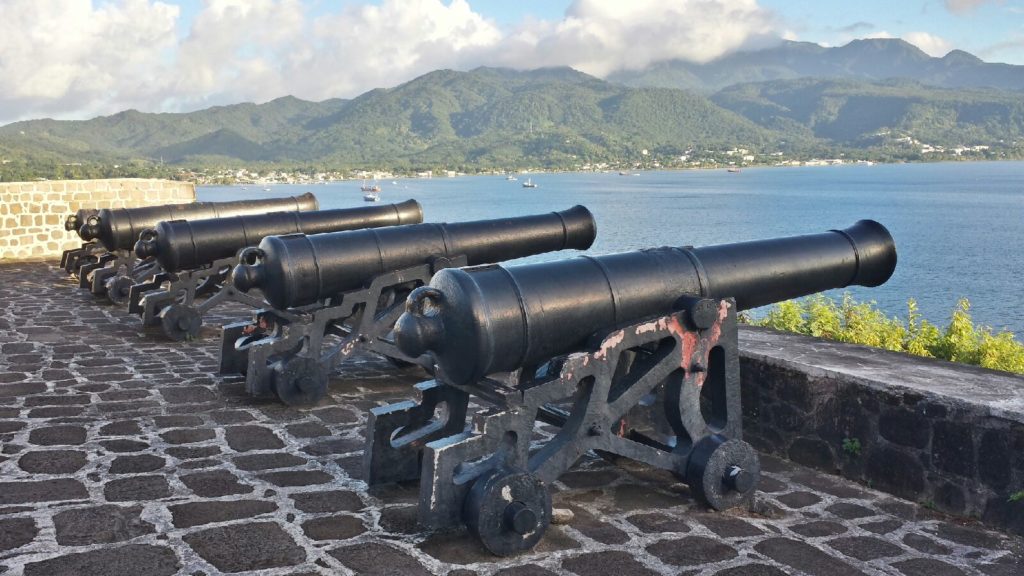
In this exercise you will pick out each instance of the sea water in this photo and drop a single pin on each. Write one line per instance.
(959, 227)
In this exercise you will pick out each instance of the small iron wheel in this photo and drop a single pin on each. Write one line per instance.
(300, 381)
(723, 473)
(180, 322)
(509, 510)
(119, 289)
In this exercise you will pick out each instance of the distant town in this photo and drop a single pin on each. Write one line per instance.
(732, 158)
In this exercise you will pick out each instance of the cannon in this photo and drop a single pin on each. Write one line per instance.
(334, 294)
(629, 355)
(118, 229)
(197, 256)
(72, 260)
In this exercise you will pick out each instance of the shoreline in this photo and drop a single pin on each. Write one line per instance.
(636, 171)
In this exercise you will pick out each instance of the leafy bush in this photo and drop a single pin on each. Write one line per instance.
(863, 323)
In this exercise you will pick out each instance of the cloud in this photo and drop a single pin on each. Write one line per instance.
(964, 6)
(1008, 46)
(68, 57)
(931, 44)
(602, 36)
(366, 47)
(856, 27)
(77, 58)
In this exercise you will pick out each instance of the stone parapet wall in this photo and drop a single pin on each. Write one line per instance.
(946, 435)
(32, 213)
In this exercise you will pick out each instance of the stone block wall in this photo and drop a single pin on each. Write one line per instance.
(946, 435)
(32, 213)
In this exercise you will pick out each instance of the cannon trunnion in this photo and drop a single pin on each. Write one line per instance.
(332, 294)
(197, 257)
(631, 354)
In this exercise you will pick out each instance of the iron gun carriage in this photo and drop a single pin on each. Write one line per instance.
(117, 230)
(72, 260)
(631, 354)
(333, 294)
(196, 257)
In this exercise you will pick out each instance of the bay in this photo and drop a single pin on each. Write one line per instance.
(959, 227)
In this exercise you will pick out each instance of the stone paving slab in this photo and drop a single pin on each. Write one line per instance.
(124, 454)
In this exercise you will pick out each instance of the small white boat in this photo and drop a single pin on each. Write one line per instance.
(511, 178)
(529, 183)
(371, 197)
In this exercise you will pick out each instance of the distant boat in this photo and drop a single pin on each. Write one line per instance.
(370, 188)
(266, 189)
(511, 178)
(733, 170)
(529, 183)
(371, 196)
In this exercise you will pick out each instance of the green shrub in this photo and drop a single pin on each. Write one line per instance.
(864, 323)
(851, 446)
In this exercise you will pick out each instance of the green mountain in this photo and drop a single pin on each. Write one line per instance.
(489, 116)
(866, 60)
(855, 113)
(498, 118)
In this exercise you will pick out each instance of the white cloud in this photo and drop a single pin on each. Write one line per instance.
(76, 58)
(602, 36)
(365, 47)
(69, 57)
(931, 44)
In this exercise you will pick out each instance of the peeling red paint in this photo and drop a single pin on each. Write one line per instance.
(611, 341)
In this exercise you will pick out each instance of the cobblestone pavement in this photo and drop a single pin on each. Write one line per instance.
(123, 454)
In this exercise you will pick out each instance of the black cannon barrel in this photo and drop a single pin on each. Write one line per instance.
(187, 244)
(495, 319)
(75, 221)
(296, 270)
(119, 228)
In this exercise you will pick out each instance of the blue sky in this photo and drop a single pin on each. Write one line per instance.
(82, 58)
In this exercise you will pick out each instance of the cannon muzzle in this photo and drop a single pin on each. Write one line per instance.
(119, 228)
(190, 244)
(299, 269)
(479, 321)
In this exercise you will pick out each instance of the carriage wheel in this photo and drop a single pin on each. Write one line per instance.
(180, 322)
(508, 510)
(723, 473)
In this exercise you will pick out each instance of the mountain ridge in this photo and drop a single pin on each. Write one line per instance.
(554, 117)
(866, 59)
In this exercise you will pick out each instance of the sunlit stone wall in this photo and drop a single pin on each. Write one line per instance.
(32, 213)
